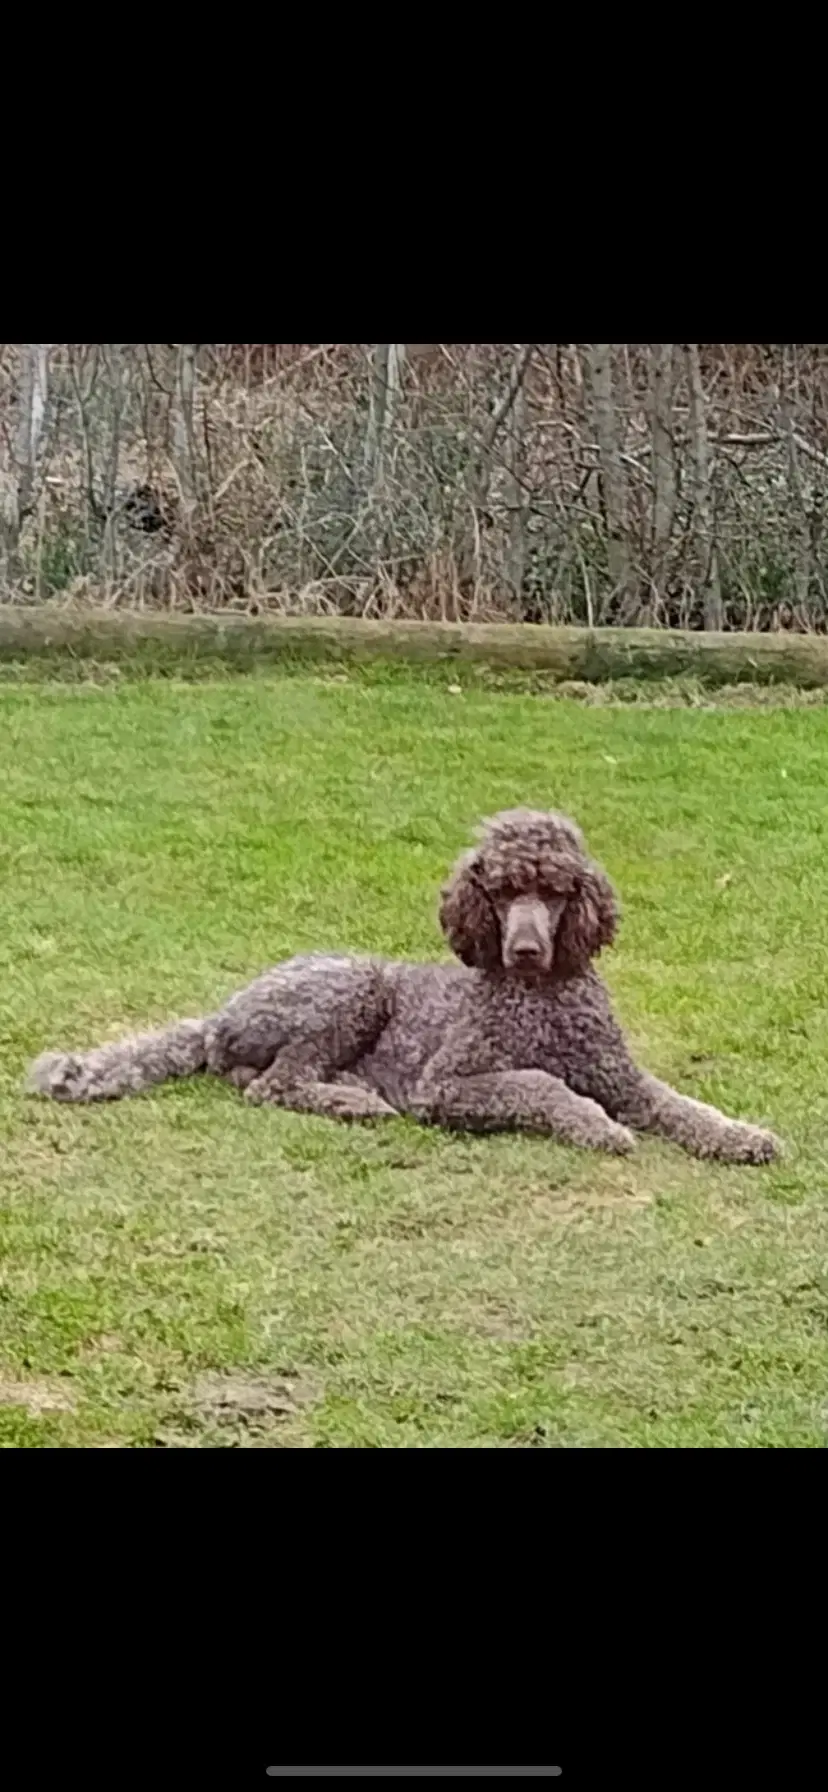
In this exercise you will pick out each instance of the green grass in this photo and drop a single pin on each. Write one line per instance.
(162, 842)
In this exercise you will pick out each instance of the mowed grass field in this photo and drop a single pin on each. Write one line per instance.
(182, 1269)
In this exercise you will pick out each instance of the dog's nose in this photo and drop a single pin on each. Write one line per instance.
(527, 953)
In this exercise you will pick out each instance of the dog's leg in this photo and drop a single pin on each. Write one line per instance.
(700, 1129)
(319, 1015)
(525, 1100)
(639, 1100)
(297, 1079)
(336, 1101)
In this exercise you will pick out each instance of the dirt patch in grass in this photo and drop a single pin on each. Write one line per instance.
(36, 1396)
(236, 1408)
(104, 1344)
(249, 1399)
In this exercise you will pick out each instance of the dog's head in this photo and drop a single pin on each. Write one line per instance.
(527, 900)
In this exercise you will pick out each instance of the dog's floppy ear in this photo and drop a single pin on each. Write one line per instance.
(468, 920)
(589, 922)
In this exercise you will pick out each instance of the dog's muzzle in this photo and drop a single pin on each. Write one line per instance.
(529, 935)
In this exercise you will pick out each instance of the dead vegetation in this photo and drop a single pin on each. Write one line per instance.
(677, 485)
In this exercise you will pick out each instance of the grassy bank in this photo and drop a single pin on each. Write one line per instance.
(56, 639)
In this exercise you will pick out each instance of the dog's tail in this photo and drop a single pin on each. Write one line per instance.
(124, 1067)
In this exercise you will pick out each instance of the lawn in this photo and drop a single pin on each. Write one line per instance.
(183, 1269)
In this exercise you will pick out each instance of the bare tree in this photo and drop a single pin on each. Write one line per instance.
(799, 509)
(84, 364)
(117, 376)
(481, 462)
(598, 359)
(663, 466)
(32, 401)
(34, 394)
(185, 451)
(516, 503)
(388, 360)
(703, 530)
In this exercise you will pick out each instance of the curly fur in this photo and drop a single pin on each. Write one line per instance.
(520, 1034)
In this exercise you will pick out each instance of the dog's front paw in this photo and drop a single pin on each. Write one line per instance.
(258, 1092)
(620, 1141)
(594, 1129)
(353, 1102)
(242, 1076)
(751, 1145)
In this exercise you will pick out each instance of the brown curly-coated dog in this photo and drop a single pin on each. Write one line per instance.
(520, 1036)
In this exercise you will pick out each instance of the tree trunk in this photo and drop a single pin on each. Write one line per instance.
(799, 519)
(33, 395)
(184, 438)
(598, 358)
(389, 358)
(704, 533)
(479, 474)
(116, 396)
(663, 466)
(117, 370)
(516, 492)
